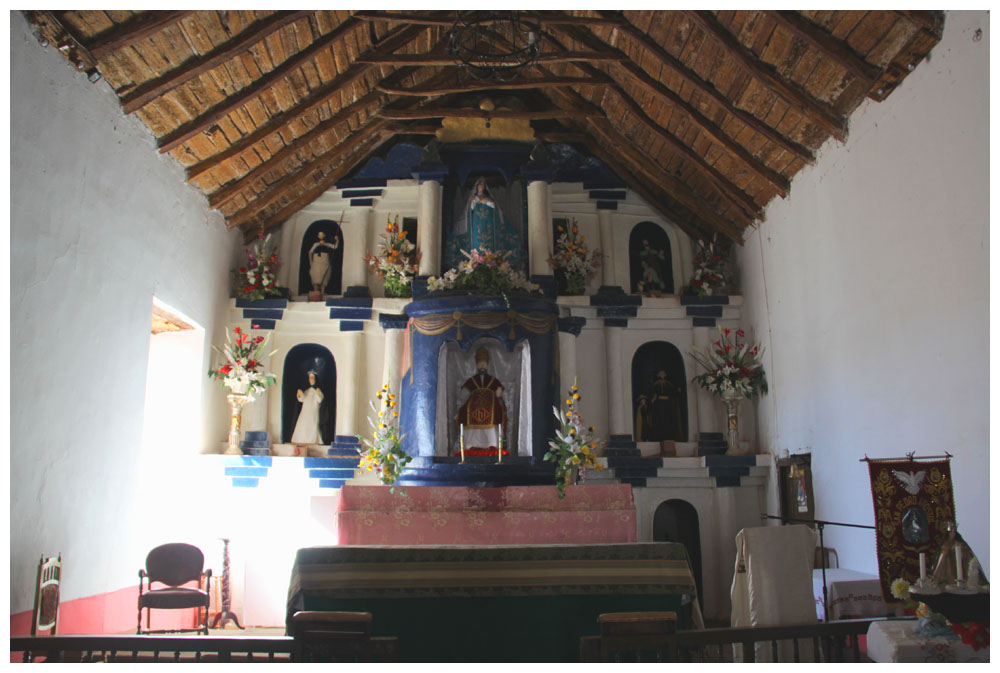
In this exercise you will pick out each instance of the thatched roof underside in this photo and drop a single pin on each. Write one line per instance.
(706, 115)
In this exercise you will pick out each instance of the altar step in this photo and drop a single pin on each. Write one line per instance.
(692, 472)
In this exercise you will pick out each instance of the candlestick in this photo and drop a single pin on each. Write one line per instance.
(959, 574)
(461, 440)
(923, 567)
(500, 443)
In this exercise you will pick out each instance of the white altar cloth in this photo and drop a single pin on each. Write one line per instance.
(897, 641)
(851, 594)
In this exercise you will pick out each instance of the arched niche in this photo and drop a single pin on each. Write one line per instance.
(677, 521)
(649, 259)
(332, 233)
(509, 231)
(659, 393)
(295, 376)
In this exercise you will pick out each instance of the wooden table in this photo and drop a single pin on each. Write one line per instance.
(852, 594)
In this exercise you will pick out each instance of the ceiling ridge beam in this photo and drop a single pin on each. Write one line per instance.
(142, 94)
(443, 58)
(816, 110)
(488, 85)
(709, 128)
(544, 18)
(209, 117)
(707, 88)
(476, 113)
(134, 29)
(342, 168)
(835, 49)
(280, 187)
(316, 98)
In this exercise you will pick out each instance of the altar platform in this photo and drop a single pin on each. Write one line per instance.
(459, 515)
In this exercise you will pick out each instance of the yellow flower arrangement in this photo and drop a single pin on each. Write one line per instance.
(573, 447)
(383, 453)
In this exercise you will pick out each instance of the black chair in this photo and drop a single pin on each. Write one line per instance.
(174, 565)
(45, 614)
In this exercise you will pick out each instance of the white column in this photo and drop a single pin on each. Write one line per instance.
(705, 403)
(539, 228)
(616, 388)
(393, 359)
(355, 231)
(607, 248)
(255, 413)
(429, 228)
(351, 389)
(567, 361)
(288, 256)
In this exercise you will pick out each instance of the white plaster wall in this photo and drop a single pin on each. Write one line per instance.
(100, 224)
(869, 288)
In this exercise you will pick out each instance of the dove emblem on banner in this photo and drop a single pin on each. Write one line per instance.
(911, 481)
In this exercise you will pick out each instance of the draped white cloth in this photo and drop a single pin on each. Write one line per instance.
(307, 425)
(772, 584)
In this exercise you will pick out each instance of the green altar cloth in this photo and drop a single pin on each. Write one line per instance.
(493, 603)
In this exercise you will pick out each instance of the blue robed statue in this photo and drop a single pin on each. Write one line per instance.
(487, 228)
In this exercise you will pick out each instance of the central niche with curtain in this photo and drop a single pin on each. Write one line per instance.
(444, 334)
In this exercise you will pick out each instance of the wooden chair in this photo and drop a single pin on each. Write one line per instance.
(174, 565)
(45, 614)
(631, 634)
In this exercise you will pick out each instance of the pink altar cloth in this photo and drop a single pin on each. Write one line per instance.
(459, 515)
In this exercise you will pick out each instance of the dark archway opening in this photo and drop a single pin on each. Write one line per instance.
(295, 376)
(659, 393)
(649, 261)
(677, 521)
(332, 233)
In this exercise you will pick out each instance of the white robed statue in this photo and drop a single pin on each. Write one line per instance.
(307, 429)
(319, 261)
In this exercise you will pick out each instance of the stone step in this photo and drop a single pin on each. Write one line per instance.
(331, 474)
(334, 462)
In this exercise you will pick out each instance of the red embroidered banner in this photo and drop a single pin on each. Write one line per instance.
(913, 503)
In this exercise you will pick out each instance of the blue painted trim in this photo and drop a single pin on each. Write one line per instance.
(331, 483)
(359, 193)
(332, 463)
(362, 182)
(331, 473)
(607, 205)
(245, 482)
(350, 314)
(261, 303)
(431, 173)
(419, 287)
(572, 325)
(705, 311)
(703, 322)
(393, 320)
(352, 326)
(537, 173)
(608, 194)
(262, 313)
(354, 291)
(255, 436)
(711, 300)
(604, 184)
(347, 439)
(616, 322)
(362, 202)
(246, 471)
(262, 324)
(350, 302)
(255, 451)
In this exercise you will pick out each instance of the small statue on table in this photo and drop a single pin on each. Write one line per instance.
(483, 415)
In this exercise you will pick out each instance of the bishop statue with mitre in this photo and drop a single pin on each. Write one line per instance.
(484, 412)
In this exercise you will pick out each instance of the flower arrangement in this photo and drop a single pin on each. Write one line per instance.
(384, 451)
(572, 261)
(242, 370)
(711, 271)
(396, 262)
(732, 367)
(256, 279)
(574, 447)
(485, 273)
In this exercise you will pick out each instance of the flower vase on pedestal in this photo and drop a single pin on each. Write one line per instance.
(732, 402)
(236, 402)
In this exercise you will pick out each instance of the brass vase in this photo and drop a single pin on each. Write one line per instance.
(732, 402)
(236, 403)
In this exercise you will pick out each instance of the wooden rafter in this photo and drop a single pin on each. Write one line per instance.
(134, 29)
(206, 119)
(51, 28)
(834, 49)
(707, 127)
(395, 40)
(154, 88)
(545, 19)
(447, 59)
(290, 182)
(704, 87)
(476, 113)
(413, 129)
(476, 85)
(347, 163)
(817, 111)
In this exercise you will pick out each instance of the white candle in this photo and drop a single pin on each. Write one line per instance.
(923, 566)
(500, 443)
(461, 440)
(959, 574)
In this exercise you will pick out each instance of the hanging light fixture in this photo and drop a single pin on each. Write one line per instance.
(494, 45)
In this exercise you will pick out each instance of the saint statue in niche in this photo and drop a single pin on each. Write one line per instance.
(319, 261)
(658, 416)
(307, 427)
(484, 218)
(484, 411)
(651, 260)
